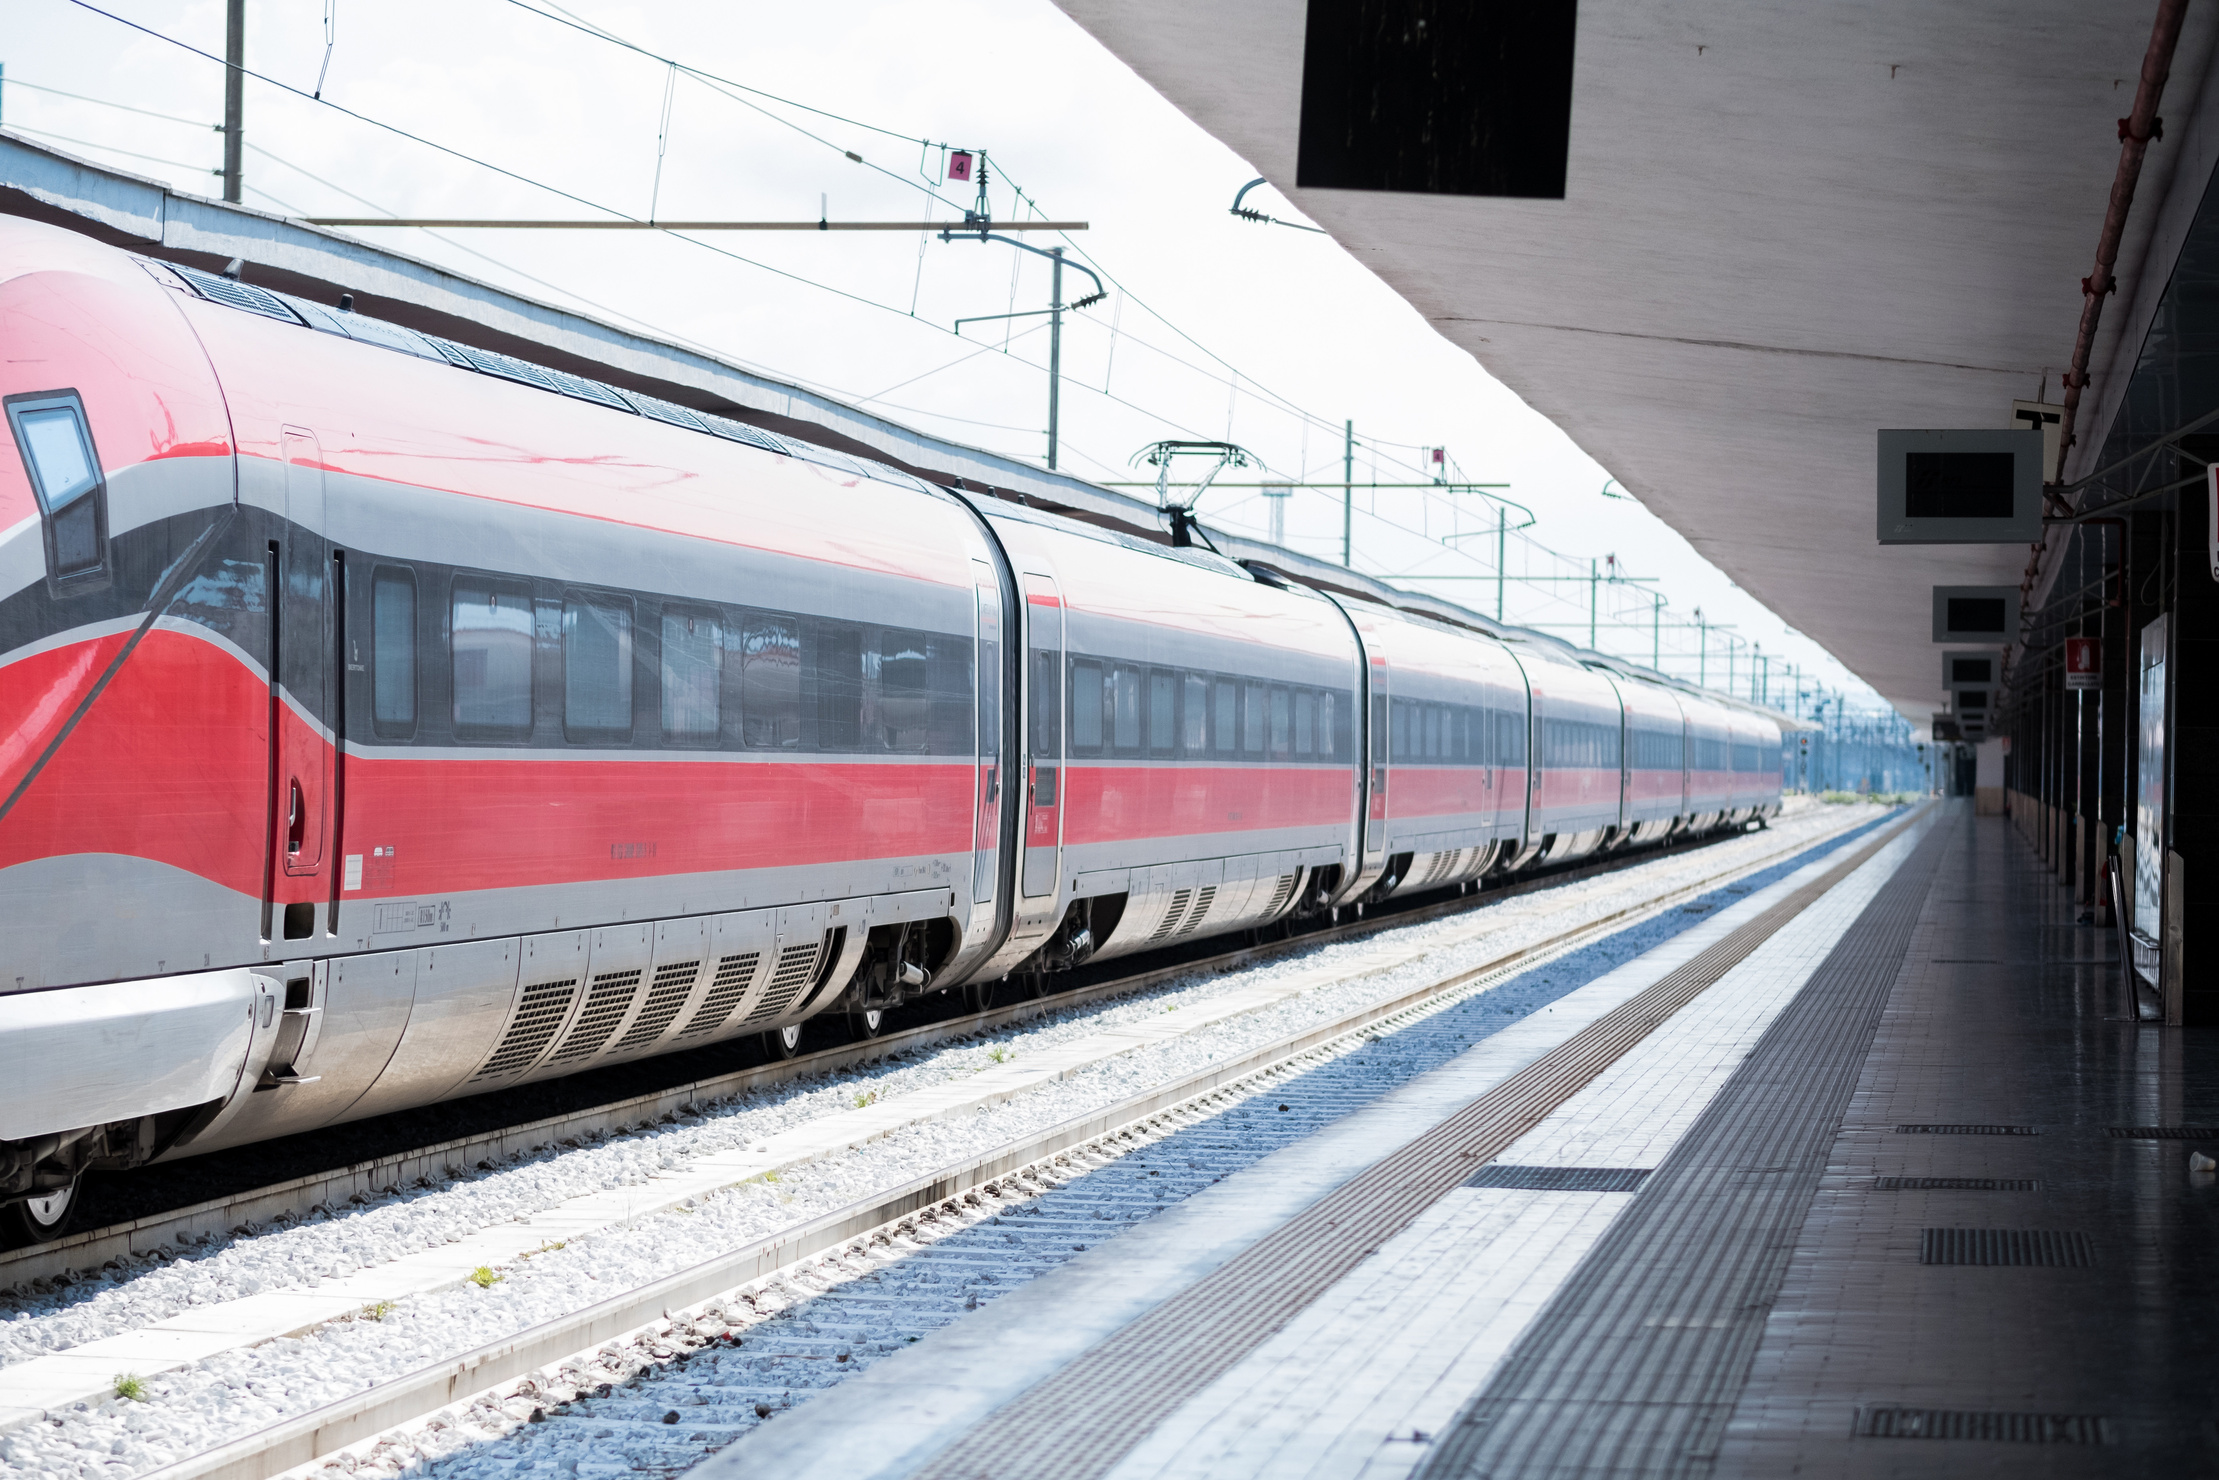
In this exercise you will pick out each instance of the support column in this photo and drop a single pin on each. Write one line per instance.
(2193, 786)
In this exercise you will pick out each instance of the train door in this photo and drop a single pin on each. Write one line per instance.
(1375, 813)
(1044, 747)
(986, 824)
(301, 682)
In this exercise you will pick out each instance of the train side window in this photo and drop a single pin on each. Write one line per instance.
(1282, 724)
(1086, 707)
(1510, 738)
(1332, 742)
(1195, 718)
(1124, 695)
(951, 694)
(770, 683)
(838, 681)
(1225, 715)
(1163, 711)
(597, 668)
(904, 692)
(691, 655)
(492, 642)
(55, 441)
(1305, 723)
(1252, 719)
(393, 651)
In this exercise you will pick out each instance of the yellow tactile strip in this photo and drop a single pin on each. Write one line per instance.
(1080, 1422)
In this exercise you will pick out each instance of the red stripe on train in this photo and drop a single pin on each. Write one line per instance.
(1109, 803)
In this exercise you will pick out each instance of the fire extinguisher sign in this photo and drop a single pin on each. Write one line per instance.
(2083, 663)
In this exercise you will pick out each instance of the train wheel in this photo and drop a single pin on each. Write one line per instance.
(783, 1043)
(981, 996)
(869, 1023)
(38, 1220)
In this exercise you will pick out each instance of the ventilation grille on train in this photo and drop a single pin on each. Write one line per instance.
(539, 1012)
(1203, 899)
(1283, 892)
(665, 411)
(607, 1000)
(735, 974)
(1170, 921)
(235, 293)
(740, 431)
(508, 367)
(795, 966)
(673, 984)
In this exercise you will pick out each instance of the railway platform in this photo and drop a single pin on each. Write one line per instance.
(1875, 1172)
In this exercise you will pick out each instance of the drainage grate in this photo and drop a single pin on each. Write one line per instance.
(1954, 1184)
(2166, 1132)
(1966, 1130)
(1996, 1428)
(1560, 1179)
(2027, 1246)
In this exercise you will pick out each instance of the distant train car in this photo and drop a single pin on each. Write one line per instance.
(1190, 743)
(384, 720)
(1579, 756)
(1447, 780)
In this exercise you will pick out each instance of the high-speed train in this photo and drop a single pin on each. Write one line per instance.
(385, 720)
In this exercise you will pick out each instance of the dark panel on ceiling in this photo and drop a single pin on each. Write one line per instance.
(1437, 97)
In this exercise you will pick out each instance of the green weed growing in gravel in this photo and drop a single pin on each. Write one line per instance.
(378, 1311)
(129, 1386)
(484, 1277)
(1000, 1053)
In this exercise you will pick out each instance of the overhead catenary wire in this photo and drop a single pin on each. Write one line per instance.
(1237, 380)
(200, 123)
(177, 164)
(1021, 198)
(376, 123)
(729, 87)
(1234, 378)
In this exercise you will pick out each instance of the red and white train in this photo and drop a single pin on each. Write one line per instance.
(383, 720)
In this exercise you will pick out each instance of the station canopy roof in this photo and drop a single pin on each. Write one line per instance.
(1781, 228)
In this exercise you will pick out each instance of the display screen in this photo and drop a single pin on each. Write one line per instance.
(1957, 485)
(1976, 613)
(1969, 670)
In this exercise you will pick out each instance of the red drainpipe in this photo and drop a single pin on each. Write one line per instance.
(2136, 130)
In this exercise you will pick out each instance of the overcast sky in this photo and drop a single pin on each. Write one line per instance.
(1214, 328)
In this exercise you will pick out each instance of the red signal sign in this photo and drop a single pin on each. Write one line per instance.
(2083, 663)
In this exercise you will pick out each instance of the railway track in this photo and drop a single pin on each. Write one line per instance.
(250, 1208)
(1020, 1168)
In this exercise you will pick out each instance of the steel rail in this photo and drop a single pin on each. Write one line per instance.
(385, 1405)
(236, 1212)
